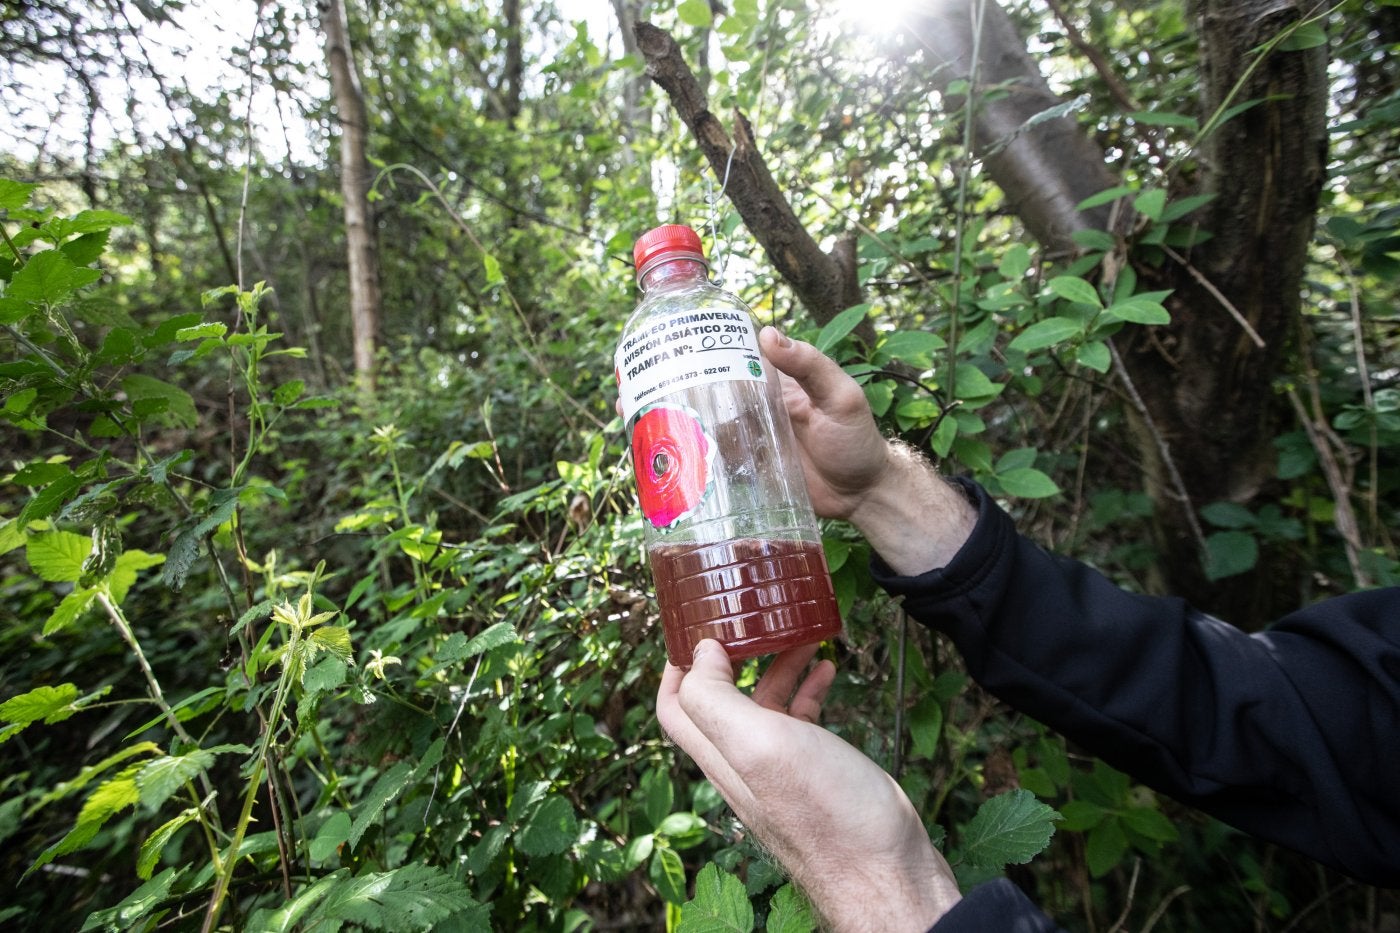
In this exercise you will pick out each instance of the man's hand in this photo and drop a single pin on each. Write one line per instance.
(913, 519)
(840, 825)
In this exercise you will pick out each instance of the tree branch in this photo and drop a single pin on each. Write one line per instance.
(825, 282)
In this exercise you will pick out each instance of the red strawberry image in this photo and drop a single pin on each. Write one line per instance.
(671, 457)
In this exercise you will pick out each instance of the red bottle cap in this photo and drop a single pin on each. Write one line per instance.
(671, 241)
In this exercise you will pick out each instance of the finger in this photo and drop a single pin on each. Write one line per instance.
(819, 376)
(807, 701)
(776, 685)
(713, 704)
(684, 733)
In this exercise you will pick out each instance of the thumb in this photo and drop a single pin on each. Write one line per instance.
(818, 375)
(708, 695)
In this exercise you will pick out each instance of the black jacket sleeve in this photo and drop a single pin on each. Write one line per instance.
(1292, 735)
(997, 905)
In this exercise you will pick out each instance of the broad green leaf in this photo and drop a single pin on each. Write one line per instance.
(667, 872)
(1105, 848)
(1179, 209)
(334, 639)
(158, 780)
(87, 248)
(659, 795)
(1306, 35)
(911, 345)
(330, 837)
(1095, 355)
(69, 610)
(493, 270)
(201, 331)
(790, 912)
(1151, 203)
(1139, 310)
(129, 564)
(551, 829)
(1229, 553)
(390, 785)
(838, 327)
(289, 392)
(12, 535)
(973, 384)
(1229, 515)
(1009, 829)
(926, 726)
(48, 278)
(1079, 815)
(413, 897)
(222, 504)
(110, 798)
(156, 842)
(15, 194)
(1047, 333)
(1145, 821)
(1027, 483)
(51, 704)
(167, 404)
(720, 905)
(57, 556)
(695, 13)
(1074, 289)
(1015, 263)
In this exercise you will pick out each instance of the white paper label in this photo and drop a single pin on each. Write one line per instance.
(685, 349)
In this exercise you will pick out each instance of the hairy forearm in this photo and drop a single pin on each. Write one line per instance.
(912, 518)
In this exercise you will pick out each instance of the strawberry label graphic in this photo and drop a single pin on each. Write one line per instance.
(671, 457)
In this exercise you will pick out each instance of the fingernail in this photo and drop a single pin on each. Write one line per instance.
(784, 340)
(698, 651)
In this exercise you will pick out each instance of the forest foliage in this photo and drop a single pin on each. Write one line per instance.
(280, 650)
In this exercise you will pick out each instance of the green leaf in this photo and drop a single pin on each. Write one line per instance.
(390, 784)
(1229, 515)
(1107, 196)
(69, 610)
(926, 726)
(1179, 209)
(57, 556)
(493, 270)
(551, 829)
(135, 906)
(173, 405)
(974, 385)
(1075, 290)
(15, 194)
(1151, 203)
(1047, 333)
(695, 13)
(1015, 263)
(667, 872)
(1145, 821)
(1027, 483)
(1139, 310)
(1165, 118)
(156, 842)
(1095, 355)
(48, 278)
(12, 535)
(201, 331)
(1306, 35)
(51, 704)
(1079, 815)
(915, 346)
(86, 249)
(123, 575)
(289, 392)
(158, 780)
(790, 912)
(838, 327)
(222, 504)
(414, 897)
(329, 838)
(1106, 846)
(1229, 553)
(1010, 829)
(720, 905)
(110, 798)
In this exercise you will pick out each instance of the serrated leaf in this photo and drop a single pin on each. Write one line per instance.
(1229, 553)
(1010, 829)
(110, 798)
(158, 780)
(389, 786)
(1027, 483)
(57, 556)
(51, 704)
(48, 278)
(414, 897)
(1074, 289)
(289, 392)
(69, 610)
(156, 842)
(15, 194)
(840, 326)
(201, 331)
(551, 829)
(1047, 333)
(123, 576)
(720, 905)
(501, 633)
(135, 906)
(172, 404)
(222, 504)
(334, 639)
(790, 912)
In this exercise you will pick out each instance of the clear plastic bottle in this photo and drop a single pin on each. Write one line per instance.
(734, 546)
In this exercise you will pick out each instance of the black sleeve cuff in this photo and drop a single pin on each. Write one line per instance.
(997, 905)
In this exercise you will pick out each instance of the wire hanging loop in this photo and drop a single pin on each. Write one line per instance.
(719, 253)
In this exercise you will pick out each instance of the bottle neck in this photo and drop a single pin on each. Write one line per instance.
(674, 273)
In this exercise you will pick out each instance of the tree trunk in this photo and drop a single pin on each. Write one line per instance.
(361, 247)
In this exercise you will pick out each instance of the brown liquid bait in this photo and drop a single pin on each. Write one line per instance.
(756, 596)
